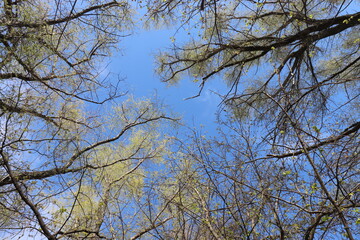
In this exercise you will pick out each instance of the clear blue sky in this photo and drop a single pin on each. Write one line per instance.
(136, 64)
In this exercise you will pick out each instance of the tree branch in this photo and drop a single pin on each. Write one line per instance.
(352, 129)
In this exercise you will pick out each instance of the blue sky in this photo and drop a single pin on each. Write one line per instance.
(136, 63)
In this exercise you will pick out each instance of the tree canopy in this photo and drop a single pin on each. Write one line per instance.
(65, 167)
(286, 164)
(81, 159)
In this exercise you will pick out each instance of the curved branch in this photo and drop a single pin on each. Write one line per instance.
(352, 129)
(65, 19)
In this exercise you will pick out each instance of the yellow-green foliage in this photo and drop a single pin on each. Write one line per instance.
(118, 170)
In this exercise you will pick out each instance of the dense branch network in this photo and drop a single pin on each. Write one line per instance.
(280, 166)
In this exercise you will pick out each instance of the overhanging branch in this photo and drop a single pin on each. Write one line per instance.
(352, 129)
